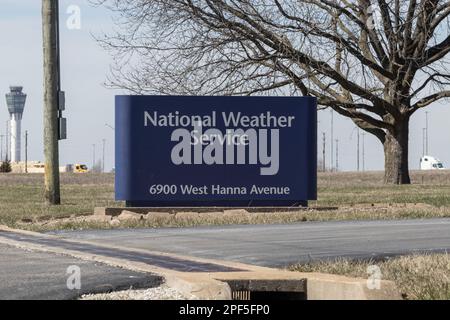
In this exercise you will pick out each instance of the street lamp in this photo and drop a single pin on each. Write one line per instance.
(93, 157)
(103, 156)
(110, 126)
(357, 146)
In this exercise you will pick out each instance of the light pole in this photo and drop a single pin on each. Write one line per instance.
(331, 141)
(104, 141)
(1, 147)
(93, 157)
(363, 151)
(26, 151)
(357, 146)
(324, 140)
(423, 141)
(110, 126)
(426, 136)
(357, 149)
(337, 155)
(103, 156)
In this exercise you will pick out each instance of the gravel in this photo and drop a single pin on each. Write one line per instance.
(159, 293)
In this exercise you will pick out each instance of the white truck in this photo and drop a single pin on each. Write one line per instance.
(431, 163)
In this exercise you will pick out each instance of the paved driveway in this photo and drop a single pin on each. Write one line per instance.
(281, 245)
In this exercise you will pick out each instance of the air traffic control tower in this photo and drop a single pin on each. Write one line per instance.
(15, 101)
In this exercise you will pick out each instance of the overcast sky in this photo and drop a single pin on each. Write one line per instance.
(90, 105)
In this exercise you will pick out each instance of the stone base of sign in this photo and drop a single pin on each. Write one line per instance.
(116, 211)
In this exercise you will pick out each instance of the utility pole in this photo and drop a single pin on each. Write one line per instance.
(332, 139)
(357, 150)
(423, 141)
(363, 151)
(103, 156)
(337, 155)
(26, 151)
(1, 147)
(93, 157)
(50, 32)
(318, 137)
(324, 140)
(426, 136)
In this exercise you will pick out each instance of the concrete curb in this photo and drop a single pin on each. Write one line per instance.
(323, 287)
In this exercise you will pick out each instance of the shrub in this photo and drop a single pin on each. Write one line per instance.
(5, 166)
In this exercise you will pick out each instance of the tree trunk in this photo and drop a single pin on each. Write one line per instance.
(396, 154)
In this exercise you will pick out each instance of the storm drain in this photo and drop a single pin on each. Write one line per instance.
(254, 290)
(156, 260)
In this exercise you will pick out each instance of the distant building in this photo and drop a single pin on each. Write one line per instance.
(15, 101)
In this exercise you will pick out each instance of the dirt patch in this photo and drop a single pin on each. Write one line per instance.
(55, 221)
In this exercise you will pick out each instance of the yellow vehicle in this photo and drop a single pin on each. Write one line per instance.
(80, 168)
(39, 167)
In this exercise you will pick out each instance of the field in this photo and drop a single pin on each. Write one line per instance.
(418, 277)
(22, 196)
(346, 196)
(428, 187)
(343, 195)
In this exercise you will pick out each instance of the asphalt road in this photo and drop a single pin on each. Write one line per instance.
(281, 245)
(43, 276)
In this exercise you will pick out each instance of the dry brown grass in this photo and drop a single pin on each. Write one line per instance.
(22, 196)
(358, 196)
(430, 187)
(418, 277)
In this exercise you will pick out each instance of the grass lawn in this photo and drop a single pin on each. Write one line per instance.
(429, 187)
(418, 277)
(22, 196)
(356, 196)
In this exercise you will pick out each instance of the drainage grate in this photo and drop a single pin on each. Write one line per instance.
(241, 295)
(161, 261)
(252, 290)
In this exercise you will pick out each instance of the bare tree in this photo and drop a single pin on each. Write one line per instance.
(374, 61)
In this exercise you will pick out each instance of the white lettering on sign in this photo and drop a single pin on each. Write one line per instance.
(231, 119)
(248, 140)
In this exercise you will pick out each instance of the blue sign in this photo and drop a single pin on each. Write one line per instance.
(216, 151)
